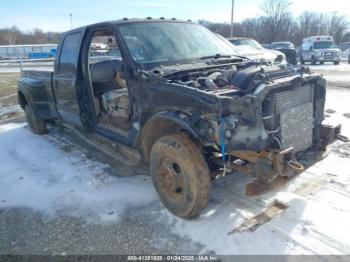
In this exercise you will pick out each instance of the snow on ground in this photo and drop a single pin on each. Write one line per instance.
(315, 222)
(337, 108)
(335, 74)
(342, 67)
(36, 174)
(6, 110)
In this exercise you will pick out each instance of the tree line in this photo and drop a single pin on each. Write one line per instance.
(14, 36)
(278, 24)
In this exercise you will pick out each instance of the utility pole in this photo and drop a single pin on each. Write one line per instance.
(71, 20)
(232, 8)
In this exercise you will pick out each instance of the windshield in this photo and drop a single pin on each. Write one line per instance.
(230, 45)
(247, 41)
(324, 45)
(168, 43)
(282, 46)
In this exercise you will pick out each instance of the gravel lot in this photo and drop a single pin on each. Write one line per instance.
(59, 196)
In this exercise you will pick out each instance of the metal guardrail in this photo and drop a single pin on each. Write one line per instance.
(22, 62)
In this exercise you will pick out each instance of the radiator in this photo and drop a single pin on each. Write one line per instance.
(293, 113)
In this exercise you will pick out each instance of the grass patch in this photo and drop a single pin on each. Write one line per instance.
(9, 107)
(8, 88)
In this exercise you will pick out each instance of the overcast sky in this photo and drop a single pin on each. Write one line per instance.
(54, 14)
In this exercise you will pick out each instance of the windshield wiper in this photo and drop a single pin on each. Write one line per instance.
(216, 56)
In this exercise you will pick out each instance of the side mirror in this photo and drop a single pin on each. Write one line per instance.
(106, 70)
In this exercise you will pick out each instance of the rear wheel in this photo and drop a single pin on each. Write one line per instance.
(302, 60)
(37, 126)
(321, 63)
(180, 175)
(336, 62)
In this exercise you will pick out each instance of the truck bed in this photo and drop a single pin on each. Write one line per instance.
(37, 85)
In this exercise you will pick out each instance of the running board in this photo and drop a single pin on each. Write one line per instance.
(118, 151)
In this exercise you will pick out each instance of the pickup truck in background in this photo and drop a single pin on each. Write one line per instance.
(288, 49)
(172, 94)
(250, 48)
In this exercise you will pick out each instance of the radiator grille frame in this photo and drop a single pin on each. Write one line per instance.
(293, 115)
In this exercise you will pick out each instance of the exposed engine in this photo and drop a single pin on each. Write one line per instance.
(207, 80)
(242, 80)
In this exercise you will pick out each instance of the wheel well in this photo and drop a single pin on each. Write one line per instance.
(158, 128)
(22, 100)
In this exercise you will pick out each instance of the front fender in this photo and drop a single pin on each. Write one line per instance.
(164, 123)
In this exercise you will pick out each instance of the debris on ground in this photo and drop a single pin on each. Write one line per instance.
(273, 210)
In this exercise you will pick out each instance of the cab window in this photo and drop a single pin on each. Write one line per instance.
(103, 46)
(69, 53)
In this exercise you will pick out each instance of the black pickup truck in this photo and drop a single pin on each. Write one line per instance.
(172, 94)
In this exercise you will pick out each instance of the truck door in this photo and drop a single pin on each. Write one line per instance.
(65, 78)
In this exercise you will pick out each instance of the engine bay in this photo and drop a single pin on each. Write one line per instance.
(238, 80)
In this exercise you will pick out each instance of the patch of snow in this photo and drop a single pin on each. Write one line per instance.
(312, 224)
(36, 174)
(338, 78)
(330, 67)
(5, 110)
(338, 100)
(315, 222)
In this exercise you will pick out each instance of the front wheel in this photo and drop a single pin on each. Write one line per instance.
(180, 175)
(37, 126)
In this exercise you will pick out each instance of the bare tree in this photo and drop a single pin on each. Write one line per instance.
(11, 35)
(278, 24)
(311, 23)
(337, 26)
(346, 37)
(278, 18)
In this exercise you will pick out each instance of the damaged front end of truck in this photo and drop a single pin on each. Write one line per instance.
(267, 120)
(270, 129)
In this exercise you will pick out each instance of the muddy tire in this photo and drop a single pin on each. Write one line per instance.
(180, 175)
(37, 126)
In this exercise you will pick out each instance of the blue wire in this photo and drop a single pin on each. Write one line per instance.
(222, 139)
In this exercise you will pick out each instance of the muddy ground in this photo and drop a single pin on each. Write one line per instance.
(60, 196)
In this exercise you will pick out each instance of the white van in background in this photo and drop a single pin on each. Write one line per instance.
(319, 49)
